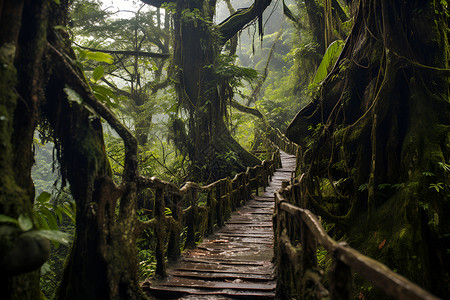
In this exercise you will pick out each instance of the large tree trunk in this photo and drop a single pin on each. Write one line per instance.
(210, 146)
(384, 139)
(196, 51)
(21, 255)
(102, 263)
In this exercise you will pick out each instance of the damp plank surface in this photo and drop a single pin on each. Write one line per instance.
(234, 262)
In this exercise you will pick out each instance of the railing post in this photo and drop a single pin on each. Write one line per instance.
(192, 216)
(219, 205)
(160, 233)
(340, 277)
(211, 205)
(283, 265)
(228, 187)
(173, 247)
(309, 264)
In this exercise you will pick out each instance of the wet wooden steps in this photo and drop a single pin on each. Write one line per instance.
(234, 262)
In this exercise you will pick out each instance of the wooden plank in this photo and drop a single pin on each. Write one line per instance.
(235, 261)
(176, 292)
(209, 268)
(195, 283)
(261, 235)
(229, 262)
(222, 275)
(262, 224)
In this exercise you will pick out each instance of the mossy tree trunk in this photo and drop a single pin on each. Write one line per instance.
(20, 255)
(197, 45)
(36, 73)
(380, 139)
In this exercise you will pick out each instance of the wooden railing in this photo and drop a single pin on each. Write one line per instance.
(281, 141)
(297, 233)
(197, 210)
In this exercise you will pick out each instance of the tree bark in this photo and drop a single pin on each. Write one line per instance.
(36, 67)
(384, 120)
(20, 57)
(196, 51)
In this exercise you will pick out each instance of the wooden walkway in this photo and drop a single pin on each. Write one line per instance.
(234, 262)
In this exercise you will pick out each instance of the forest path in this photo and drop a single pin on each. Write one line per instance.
(235, 261)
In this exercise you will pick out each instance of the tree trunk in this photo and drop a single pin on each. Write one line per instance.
(381, 132)
(102, 263)
(20, 57)
(196, 51)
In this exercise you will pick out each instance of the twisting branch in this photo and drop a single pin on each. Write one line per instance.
(116, 89)
(131, 52)
(246, 109)
(76, 82)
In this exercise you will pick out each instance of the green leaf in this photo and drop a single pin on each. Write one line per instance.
(444, 166)
(43, 197)
(7, 219)
(58, 213)
(45, 268)
(428, 174)
(363, 187)
(25, 222)
(60, 27)
(98, 73)
(104, 91)
(51, 219)
(53, 235)
(72, 95)
(67, 209)
(328, 60)
(42, 221)
(437, 186)
(100, 56)
(57, 1)
(384, 186)
(81, 56)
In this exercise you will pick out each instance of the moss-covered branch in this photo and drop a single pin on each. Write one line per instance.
(246, 109)
(73, 79)
(230, 26)
(128, 52)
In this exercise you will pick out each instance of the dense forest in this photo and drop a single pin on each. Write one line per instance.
(98, 98)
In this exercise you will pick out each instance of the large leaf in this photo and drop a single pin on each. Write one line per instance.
(100, 56)
(53, 235)
(72, 95)
(43, 197)
(25, 222)
(42, 220)
(328, 60)
(67, 209)
(98, 73)
(51, 219)
(104, 91)
(8, 219)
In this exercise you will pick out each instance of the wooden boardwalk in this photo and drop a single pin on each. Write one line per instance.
(234, 262)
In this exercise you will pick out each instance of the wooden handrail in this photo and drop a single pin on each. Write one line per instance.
(222, 196)
(344, 257)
